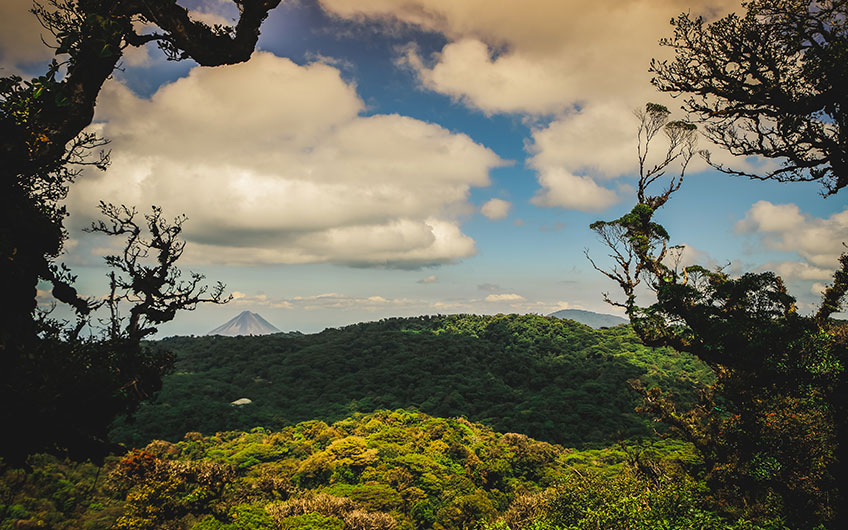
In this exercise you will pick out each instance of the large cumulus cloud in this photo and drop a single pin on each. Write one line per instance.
(276, 163)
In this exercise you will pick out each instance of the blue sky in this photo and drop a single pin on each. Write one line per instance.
(379, 158)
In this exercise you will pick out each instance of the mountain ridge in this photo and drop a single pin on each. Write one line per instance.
(590, 318)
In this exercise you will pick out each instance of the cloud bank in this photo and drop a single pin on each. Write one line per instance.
(20, 38)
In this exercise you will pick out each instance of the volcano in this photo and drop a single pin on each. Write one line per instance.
(246, 323)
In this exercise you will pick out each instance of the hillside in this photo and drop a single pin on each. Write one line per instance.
(555, 380)
(392, 470)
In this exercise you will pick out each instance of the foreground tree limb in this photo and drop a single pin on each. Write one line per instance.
(769, 83)
(46, 368)
(145, 273)
(42, 123)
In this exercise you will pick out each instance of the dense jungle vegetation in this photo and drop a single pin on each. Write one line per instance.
(382, 471)
(555, 380)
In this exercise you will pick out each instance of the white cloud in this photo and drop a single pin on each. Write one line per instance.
(573, 153)
(510, 83)
(344, 302)
(800, 270)
(600, 139)
(818, 241)
(563, 189)
(273, 163)
(581, 157)
(137, 56)
(496, 209)
(324, 301)
(684, 255)
(378, 306)
(210, 18)
(765, 217)
(241, 299)
(507, 297)
(429, 279)
(44, 298)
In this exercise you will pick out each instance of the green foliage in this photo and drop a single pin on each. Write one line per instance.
(54, 493)
(531, 374)
(630, 500)
(311, 521)
(75, 382)
(390, 470)
(772, 428)
(243, 517)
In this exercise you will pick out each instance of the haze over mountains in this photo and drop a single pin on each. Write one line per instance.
(245, 323)
(589, 318)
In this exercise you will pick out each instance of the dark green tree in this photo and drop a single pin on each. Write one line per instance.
(43, 143)
(75, 379)
(769, 83)
(772, 429)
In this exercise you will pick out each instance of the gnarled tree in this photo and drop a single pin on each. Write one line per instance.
(42, 144)
(772, 429)
(42, 123)
(71, 384)
(770, 83)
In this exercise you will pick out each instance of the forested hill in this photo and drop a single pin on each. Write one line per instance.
(555, 380)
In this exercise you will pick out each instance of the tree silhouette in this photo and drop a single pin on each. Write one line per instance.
(43, 144)
(769, 83)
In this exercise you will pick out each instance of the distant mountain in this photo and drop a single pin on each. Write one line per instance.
(246, 323)
(591, 319)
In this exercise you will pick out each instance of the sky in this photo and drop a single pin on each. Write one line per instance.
(381, 158)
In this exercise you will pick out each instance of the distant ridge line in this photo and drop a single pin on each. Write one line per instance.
(590, 318)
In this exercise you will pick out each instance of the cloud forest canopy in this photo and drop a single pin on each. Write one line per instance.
(391, 470)
(769, 83)
(555, 380)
